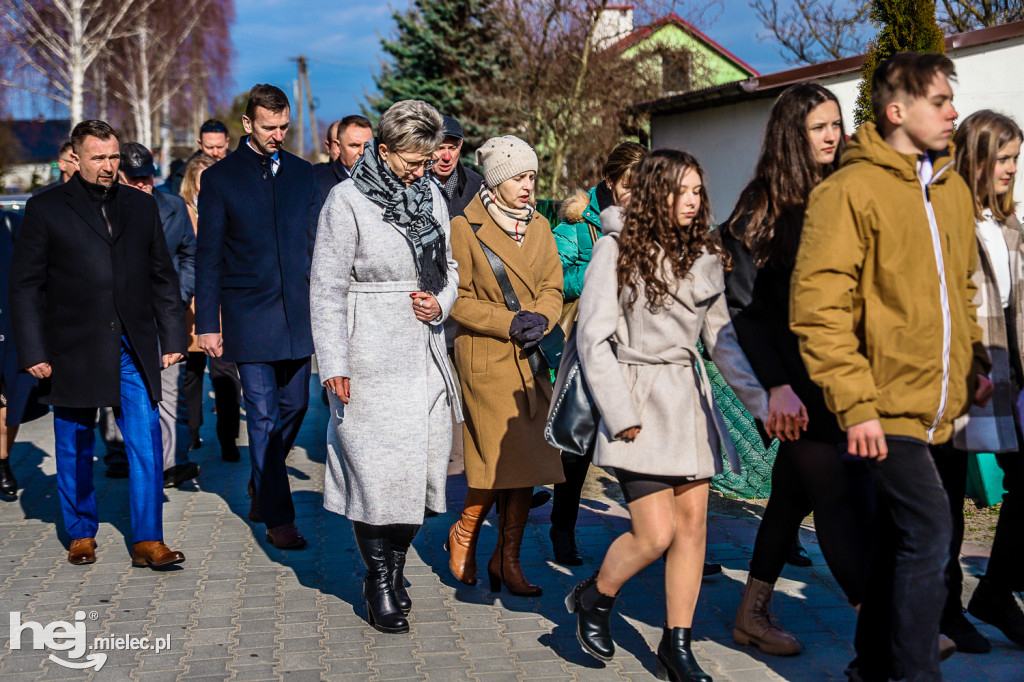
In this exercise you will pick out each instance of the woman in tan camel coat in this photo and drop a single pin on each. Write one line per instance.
(505, 405)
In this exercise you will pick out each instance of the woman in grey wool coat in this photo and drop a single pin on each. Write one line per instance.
(383, 282)
(654, 286)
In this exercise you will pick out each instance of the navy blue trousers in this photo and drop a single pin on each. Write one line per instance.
(276, 396)
(139, 421)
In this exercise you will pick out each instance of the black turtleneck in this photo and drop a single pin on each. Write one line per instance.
(103, 199)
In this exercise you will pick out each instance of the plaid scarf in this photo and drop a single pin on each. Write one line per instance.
(410, 207)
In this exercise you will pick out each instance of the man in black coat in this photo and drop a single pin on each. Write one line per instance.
(139, 171)
(258, 212)
(345, 147)
(97, 313)
(458, 184)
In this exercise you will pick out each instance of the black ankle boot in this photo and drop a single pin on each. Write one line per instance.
(8, 483)
(593, 618)
(999, 608)
(382, 610)
(402, 536)
(675, 660)
(563, 542)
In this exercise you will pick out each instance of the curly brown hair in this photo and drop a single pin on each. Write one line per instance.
(651, 237)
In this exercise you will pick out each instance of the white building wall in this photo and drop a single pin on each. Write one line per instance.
(727, 139)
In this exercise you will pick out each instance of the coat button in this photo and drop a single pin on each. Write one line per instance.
(113, 326)
(2, 338)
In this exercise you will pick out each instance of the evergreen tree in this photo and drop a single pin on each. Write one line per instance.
(443, 53)
(906, 26)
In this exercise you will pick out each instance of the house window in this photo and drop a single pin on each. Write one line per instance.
(675, 70)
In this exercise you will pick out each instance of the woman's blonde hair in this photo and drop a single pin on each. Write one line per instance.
(411, 125)
(978, 141)
(189, 186)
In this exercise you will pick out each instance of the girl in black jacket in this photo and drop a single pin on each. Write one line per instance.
(802, 145)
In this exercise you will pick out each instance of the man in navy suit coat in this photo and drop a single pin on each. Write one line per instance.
(258, 211)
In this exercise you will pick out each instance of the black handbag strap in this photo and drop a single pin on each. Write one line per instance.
(507, 292)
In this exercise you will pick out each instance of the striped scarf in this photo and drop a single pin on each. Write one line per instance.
(512, 221)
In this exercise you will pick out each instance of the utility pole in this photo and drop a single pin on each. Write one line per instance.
(297, 94)
(302, 89)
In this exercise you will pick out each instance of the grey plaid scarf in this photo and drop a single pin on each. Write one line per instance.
(409, 207)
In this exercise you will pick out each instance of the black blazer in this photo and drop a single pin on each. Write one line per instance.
(758, 301)
(254, 250)
(75, 289)
(327, 176)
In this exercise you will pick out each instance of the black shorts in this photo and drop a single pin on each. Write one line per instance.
(635, 485)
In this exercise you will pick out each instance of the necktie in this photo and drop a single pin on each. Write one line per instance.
(275, 162)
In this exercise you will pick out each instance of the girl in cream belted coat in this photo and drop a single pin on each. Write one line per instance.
(654, 286)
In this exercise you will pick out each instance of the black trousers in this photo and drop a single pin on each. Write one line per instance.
(227, 394)
(952, 467)
(898, 627)
(565, 506)
(1006, 562)
(812, 476)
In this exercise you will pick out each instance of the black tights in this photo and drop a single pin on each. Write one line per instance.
(400, 535)
(565, 507)
(812, 476)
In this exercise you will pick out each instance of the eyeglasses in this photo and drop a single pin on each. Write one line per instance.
(413, 166)
(213, 127)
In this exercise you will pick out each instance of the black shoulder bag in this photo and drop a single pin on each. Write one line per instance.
(548, 353)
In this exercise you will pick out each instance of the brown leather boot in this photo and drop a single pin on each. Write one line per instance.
(155, 554)
(463, 534)
(504, 567)
(82, 551)
(755, 625)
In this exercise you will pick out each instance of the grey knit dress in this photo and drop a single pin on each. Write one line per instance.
(388, 449)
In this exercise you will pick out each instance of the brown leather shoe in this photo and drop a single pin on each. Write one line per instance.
(155, 554)
(286, 536)
(82, 551)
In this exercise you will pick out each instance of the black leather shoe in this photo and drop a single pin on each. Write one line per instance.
(117, 470)
(179, 473)
(675, 659)
(8, 483)
(798, 556)
(998, 608)
(963, 633)
(711, 568)
(540, 498)
(593, 618)
(382, 609)
(564, 545)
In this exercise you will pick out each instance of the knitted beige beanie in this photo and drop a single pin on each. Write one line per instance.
(505, 157)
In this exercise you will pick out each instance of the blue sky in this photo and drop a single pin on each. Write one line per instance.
(341, 40)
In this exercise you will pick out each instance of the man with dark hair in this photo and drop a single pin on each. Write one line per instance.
(97, 313)
(138, 171)
(257, 221)
(329, 147)
(883, 303)
(213, 140)
(458, 184)
(344, 147)
(65, 164)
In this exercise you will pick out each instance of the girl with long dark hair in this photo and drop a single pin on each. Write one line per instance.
(803, 141)
(654, 286)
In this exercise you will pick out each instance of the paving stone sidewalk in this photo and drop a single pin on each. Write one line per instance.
(240, 609)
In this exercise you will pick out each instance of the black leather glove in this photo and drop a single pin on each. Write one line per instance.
(527, 328)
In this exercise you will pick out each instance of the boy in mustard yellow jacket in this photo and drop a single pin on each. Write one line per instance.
(883, 303)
